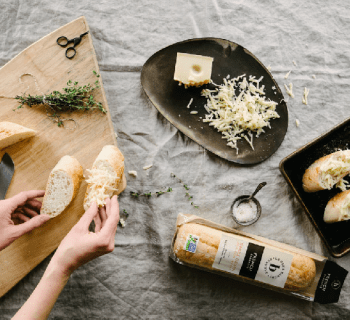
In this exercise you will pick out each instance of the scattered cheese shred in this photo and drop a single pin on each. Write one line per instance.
(294, 63)
(189, 104)
(234, 114)
(193, 112)
(306, 92)
(122, 222)
(297, 122)
(290, 89)
(133, 173)
(147, 167)
(314, 76)
(287, 75)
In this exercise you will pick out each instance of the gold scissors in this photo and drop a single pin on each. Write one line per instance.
(64, 42)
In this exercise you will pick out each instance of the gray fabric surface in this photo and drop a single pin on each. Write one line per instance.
(138, 280)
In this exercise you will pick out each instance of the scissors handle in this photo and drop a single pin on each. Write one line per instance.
(70, 52)
(63, 41)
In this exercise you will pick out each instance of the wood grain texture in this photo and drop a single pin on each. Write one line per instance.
(41, 69)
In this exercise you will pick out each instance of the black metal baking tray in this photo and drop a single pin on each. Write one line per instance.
(157, 79)
(335, 236)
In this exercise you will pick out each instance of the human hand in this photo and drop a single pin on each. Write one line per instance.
(23, 207)
(80, 246)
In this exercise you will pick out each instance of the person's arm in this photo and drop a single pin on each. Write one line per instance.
(77, 248)
(23, 208)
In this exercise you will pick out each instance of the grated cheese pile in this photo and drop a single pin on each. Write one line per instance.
(239, 116)
(102, 184)
(332, 171)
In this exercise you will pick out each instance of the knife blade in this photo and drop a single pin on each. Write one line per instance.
(7, 169)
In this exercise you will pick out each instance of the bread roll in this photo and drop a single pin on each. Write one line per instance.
(338, 208)
(62, 186)
(11, 133)
(106, 176)
(301, 274)
(327, 171)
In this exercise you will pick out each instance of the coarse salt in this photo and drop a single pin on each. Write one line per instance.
(245, 212)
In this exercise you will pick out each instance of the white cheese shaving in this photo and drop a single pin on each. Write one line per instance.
(294, 63)
(233, 114)
(122, 222)
(297, 122)
(314, 76)
(290, 89)
(306, 92)
(189, 104)
(287, 75)
(102, 184)
(193, 112)
(148, 167)
(133, 173)
(268, 68)
(333, 170)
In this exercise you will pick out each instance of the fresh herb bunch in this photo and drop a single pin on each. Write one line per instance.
(72, 98)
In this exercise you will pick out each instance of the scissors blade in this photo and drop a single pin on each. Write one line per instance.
(7, 169)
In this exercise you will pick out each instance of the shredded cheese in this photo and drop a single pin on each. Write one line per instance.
(332, 171)
(193, 112)
(189, 104)
(306, 92)
(133, 173)
(294, 63)
(289, 90)
(147, 167)
(102, 184)
(297, 122)
(122, 222)
(233, 114)
(287, 75)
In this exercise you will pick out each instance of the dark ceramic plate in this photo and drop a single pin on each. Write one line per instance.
(171, 99)
(336, 236)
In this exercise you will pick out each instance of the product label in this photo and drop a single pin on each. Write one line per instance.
(330, 283)
(252, 261)
(191, 243)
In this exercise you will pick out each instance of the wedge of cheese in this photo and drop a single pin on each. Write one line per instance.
(192, 69)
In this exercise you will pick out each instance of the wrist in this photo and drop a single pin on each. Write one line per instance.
(57, 271)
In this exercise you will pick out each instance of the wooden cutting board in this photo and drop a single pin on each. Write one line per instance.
(41, 69)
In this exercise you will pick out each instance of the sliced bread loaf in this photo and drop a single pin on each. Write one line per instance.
(11, 133)
(106, 176)
(62, 186)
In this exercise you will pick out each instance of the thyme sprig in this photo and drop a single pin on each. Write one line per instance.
(189, 197)
(149, 194)
(72, 98)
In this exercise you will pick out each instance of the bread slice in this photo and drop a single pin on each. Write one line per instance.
(62, 186)
(11, 133)
(106, 176)
(338, 208)
(327, 171)
(301, 273)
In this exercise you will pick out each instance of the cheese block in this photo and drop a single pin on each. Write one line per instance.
(192, 69)
(11, 133)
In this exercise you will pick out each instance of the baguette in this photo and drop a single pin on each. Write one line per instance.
(62, 186)
(106, 177)
(11, 133)
(301, 274)
(338, 208)
(327, 171)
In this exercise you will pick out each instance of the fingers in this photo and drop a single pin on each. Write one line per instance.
(98, 223)
(20, 216)
(34, 204)
(31, 224)
(88, 216)
(103, 216)
(21, 198)
(113, 216)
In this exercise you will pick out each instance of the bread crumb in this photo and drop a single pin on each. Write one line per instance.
(290, 89)
(297, 122)
(306, 92)
(287, 75)
(133, 173)
(148, 167)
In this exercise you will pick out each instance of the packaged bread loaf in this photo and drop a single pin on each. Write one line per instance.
(205, 245)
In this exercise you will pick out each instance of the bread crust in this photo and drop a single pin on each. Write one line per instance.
(73, 168)
(332, 211)
(115, 158)
(11, 133)
(301, 274)
(311, 177)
